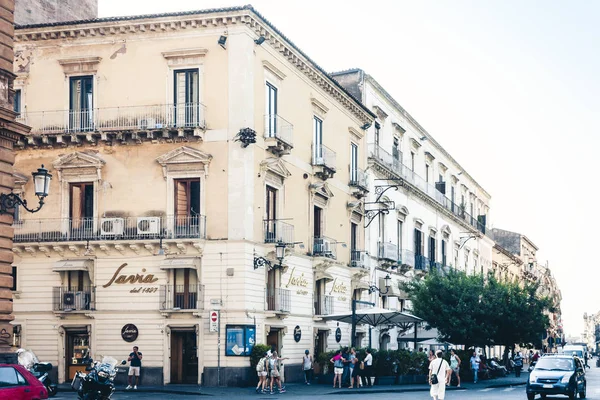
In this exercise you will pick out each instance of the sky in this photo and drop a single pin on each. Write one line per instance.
(509, 87)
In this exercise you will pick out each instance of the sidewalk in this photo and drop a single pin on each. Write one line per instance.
(317, 390)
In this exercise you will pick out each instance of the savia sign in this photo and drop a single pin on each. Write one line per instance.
(129, 333)
(142, 278)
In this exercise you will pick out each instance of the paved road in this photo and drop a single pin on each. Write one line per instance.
(508, 393)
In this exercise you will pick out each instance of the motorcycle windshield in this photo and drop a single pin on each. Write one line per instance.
(110, 361)
(27, 358)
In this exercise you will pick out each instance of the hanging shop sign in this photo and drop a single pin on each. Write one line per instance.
(298, 281)
(297, 333)
(129, 333)
(124, 279)
(338, 335)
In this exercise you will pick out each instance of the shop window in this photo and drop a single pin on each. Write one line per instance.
(240, 339)
(77, 352)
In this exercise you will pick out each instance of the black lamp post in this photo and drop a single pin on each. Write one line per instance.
(41, 183)
(279, 254)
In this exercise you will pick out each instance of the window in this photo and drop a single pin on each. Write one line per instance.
(81, 103)
(17, 102)
(419, 244)
(14, 278)
(317, 140)
(381, 220)
(81, 200)
(186, 97)
(399, 229)
(452, 195)
(271, 215)
(240, 339)
(185, 289)
(471, 208)
(412, 161)
(187, 198)
(444, 261)
(9, 376)
(377, 129)
(467, 262)
(396, 153)
(271, 109)
(353, 163)
(353, 236)
(427, 173)
(456, 257)
(318, 222)
(432, 255)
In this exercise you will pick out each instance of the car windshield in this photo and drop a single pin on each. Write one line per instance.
(555, 364)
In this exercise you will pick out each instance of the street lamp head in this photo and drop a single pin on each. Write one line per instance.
(388, 281)
(280, 251)
(41, 181)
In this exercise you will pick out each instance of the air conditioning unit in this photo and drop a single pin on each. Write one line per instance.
(69, 299)
(112, 226)
(148, 225)
(147, 123)
(327, 248)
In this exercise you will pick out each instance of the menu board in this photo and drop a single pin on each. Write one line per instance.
(239, 340)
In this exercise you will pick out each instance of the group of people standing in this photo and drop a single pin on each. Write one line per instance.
(350, 371)
(268, 370)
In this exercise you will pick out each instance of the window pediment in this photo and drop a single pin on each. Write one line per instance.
(80, 64)
(319, 108)
(276, 166)
(399, 128)
(78, 163)
(415, 144)
(184, 159)
(184, 56)
(322, 189)
(429, 157)
(380, 113)
(273, 70)
(402, 210)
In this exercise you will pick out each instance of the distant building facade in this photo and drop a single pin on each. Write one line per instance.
(28, 12)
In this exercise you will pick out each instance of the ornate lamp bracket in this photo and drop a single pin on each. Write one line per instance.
(384, 207)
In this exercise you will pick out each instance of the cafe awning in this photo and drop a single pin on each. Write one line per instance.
(375, 317)
(359, 285)
(73, 265)
(323, 275)
(180, 263)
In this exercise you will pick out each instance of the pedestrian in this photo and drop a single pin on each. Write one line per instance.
(518, 364)
(455, 365)
(338, 368)
(475, 365)
(135, 365)
(356, 371)
(431, 356)
(535, 357)
(368, 371)
(351, 365)
(274, 368)
(261, 370)
(307, 366)
(346, 362)
(439, 376)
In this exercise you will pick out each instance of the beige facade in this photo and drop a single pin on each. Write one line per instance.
(148, 124)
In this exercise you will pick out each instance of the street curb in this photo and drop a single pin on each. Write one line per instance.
(167, 391)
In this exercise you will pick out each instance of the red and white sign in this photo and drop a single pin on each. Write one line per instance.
(214, 321)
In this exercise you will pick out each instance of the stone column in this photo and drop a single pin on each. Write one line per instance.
(10, 132)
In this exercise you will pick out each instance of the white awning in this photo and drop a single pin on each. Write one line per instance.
(177, 263)
(359, 285)
(73, 265)
(323, 275)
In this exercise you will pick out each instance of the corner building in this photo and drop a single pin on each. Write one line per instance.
(183, 148)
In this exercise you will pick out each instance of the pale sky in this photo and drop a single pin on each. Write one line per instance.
(509, 87)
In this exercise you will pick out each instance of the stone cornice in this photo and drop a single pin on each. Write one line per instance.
(222, 18)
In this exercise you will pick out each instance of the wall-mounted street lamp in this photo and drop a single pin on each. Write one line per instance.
(279, 254)
(246, 136)
(41, 183)
(388, 284)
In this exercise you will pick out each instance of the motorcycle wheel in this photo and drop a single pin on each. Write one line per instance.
(51, 391)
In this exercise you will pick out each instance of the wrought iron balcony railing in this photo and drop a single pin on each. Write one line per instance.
(278, 299)
(359, 179)
(279, 128)
(323, 156)
(421, 262)
(181, 297)
(115, 228)
(68, 299)
(142, 118)
(278, 231)
(324, 247)
(323, 305)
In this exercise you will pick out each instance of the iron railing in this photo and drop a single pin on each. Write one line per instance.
(324, 247)
(421, 262)
(359, 259)
(277, 231)
(277, 127)
(114, 228)
(387, 251)
(182, 297)
(278, 300)
(73, 299)
(143, 118)
(359, 178)
(323, 305)
(323, 156)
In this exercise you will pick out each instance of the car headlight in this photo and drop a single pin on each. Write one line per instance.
(565, 379)
(532, 378)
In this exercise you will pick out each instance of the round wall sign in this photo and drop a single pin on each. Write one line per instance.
(338, 335)
(129, 333)
(297, 333)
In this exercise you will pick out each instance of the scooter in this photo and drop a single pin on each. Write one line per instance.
(98, 383)
(40, 370)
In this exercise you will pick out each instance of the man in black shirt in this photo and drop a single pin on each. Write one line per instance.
(135, 365)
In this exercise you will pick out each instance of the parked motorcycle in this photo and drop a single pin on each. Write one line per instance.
(98, 383)
(40, 370)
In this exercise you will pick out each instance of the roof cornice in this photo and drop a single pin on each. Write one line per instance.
(212, 18)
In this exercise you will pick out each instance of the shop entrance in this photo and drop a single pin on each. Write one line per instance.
(320, 347)
(184, 356)
(274, 339)
(77, 347)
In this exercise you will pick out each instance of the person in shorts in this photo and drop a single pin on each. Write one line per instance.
(135, 365)
(261, 370)
(338, 368)
(274, 366)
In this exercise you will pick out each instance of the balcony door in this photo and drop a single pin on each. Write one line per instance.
(81, 211)
(419, 248)
(432, 250)
(187, 206)
(271, 110)
(187, 98)
(273, 277)
(317, 140)
(353, 163)
(271, 215)
(185, 289)
(81, 103)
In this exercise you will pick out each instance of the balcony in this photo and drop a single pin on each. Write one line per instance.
(324, 159)
(359, 259)
(323, 305)
(277, 231)
(279, 300)
(421, 262)
(279, 135)
(388, 255)
(71, 300)
(181, 297)
(359, 181)
(324, 247)
(106, 229)
(146, 118)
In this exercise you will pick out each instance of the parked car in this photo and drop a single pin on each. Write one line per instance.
(557, 374)
(16, 383)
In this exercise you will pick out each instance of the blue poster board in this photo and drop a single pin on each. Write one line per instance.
(239, 340)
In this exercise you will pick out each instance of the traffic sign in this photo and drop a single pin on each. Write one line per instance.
(214, 321)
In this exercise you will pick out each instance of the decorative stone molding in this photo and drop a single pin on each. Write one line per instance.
(273, 70)
(415, 144)
(79, 164)
(319, 108)
(398, 128)
(446, 230)
(355, 133)
(382, 115)
(418, 222)
(429, 157)
(275, 166)
(181, 57)
(80, 65)
(402, 211)
(184, 158)
(432, 230)
(442, 167)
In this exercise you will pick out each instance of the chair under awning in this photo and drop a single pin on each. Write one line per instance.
(180, 263)
(73, 265)
(323, 275)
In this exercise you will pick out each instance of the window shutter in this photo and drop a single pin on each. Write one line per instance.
(181, 199)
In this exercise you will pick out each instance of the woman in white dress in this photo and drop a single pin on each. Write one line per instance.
(441, 369)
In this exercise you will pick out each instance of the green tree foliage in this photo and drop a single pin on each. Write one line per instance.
(471, 310)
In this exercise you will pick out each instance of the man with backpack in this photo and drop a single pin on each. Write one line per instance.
(261, 371)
